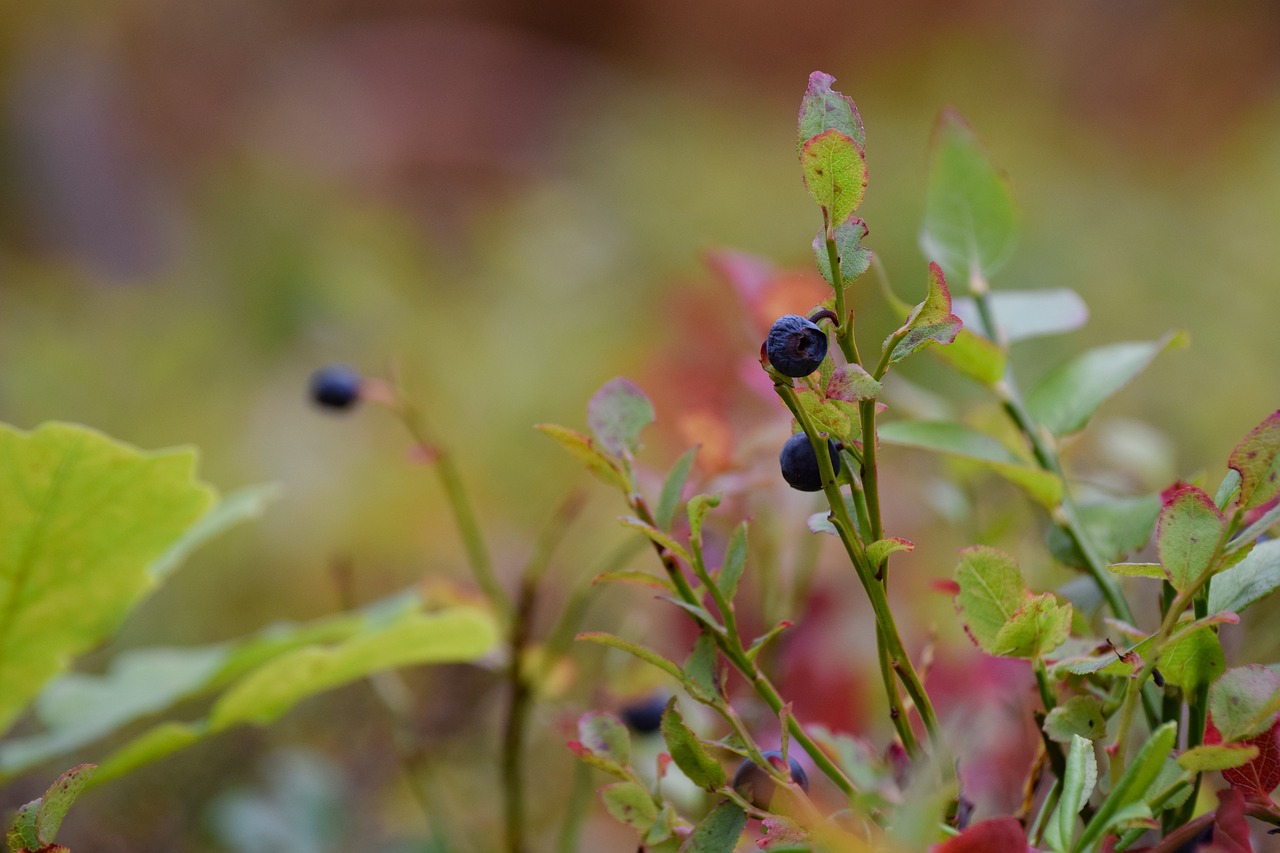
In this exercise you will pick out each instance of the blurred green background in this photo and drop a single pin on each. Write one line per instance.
(200, 203)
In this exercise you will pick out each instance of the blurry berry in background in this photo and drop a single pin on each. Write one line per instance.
(757, 786)
(645, 716)
(335, 387)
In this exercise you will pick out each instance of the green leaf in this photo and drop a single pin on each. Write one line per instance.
(663, 539)
(1193, 660)
(21, 834)
(929, 322)
(758, 644)
(878, 551)
(155, 743)
(1250, 580)
(1077, 786)
(699, 506)
(1117, 527)
(958, 440)
(447, 636)
(78, 709)
(701, 670)
(735, 561)
(970, 353)
(850, 383)
(58, 800)
(606, 736)
(1218, 756)
(1138, 570)
(637, 577)
(1037, 627)
(644, 653)
(688, 751)
(1188, 534)
(1025, 314)
(1132, 787)
(631, 804)
(823, 108)
(836, 418)
(82, 518)
(854, 257)
(835, 173)
(617, 414)
(1067, 396)
(1257, 459)
(970, 222)
(991, 590)
(672, 488)
(599, 464)
(1078, 716)
(1244, 702)
(232, 509)
(719, 831)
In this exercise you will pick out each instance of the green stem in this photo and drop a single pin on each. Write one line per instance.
(844, 327)
(898, 660)
(456, 495)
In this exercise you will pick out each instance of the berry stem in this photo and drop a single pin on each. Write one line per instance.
(456, 495)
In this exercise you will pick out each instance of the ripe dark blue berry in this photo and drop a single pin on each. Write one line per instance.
(758, 787)
(800, 464)
(645, 717)
(335, 387)
(795, 346)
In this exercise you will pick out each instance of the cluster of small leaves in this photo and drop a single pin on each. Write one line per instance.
(1208, 563)
(616, 415)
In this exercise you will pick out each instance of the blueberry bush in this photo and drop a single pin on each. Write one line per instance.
(1147, 732)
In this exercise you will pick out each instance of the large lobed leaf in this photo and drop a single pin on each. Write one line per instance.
(83, 519)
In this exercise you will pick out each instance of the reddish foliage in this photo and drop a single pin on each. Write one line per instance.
(1259, 777)
(998, 835)
(1230, 832)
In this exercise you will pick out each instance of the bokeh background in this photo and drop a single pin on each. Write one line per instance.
(200, 203)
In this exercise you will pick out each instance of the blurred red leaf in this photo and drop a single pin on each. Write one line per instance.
(997, 835)
(1230, 831)
(1259, 777)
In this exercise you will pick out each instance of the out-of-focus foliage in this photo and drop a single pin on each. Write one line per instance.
(202, 202)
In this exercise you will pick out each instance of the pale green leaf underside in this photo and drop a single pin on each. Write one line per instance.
(1067, 396)
(959, 440)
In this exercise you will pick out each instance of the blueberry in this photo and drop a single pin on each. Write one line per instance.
(795, 346)
(758, 786)
(335, 387)
(800, 464)
(645, 717)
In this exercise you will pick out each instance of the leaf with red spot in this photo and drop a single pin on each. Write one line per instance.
(1188, 534)
(1257, 459)
(998, 835)
(1258, 778)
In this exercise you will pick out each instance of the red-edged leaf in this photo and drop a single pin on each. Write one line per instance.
(1257, 458)
(1259, 777)
(998, 835)
(1188, 533)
